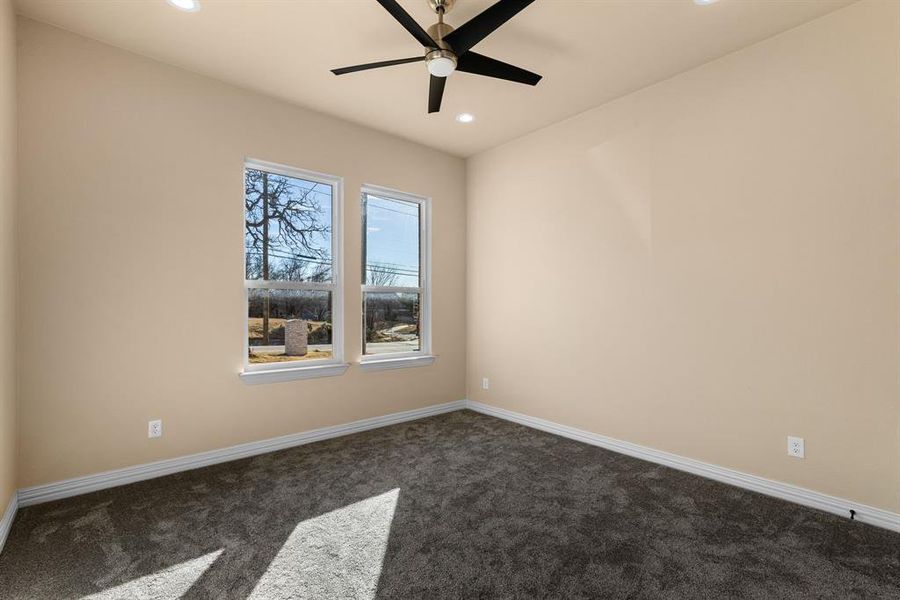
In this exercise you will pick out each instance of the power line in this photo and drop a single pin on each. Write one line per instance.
(389, 268)
(393, 210)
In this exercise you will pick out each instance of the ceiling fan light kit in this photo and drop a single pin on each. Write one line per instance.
(448, 49)
(440, 63)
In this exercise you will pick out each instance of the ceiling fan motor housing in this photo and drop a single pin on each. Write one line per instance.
(438, 32)
(441, 62)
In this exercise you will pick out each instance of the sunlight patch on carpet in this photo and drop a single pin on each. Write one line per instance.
(169, 584)
(335, 555)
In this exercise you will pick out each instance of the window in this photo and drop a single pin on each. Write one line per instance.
(395, 280)
(292, 271)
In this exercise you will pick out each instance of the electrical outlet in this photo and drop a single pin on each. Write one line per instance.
(154, 429)
(795, 447)
(485, 383)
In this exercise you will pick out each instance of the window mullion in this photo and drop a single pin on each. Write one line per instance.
(289, 285)
(387, 289)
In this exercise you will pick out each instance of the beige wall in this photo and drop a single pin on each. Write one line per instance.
(131, 260)
(7, 253)
(710, 264)
(704, 267)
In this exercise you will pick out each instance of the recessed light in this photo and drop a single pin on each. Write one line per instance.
(185, 5)
(465, 117)
(705, 2)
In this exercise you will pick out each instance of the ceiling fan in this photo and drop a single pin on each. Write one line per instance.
(448, 49)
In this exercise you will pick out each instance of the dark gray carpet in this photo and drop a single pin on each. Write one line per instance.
(456, 506)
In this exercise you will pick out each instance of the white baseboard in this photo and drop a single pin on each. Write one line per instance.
(108, 479)
(785, 491)
(777, 489)
(7, 520)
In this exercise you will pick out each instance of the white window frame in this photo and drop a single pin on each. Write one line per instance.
(423, 356)
(319, 367)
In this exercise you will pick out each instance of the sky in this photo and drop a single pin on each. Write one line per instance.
(392, 237)
(392, 232)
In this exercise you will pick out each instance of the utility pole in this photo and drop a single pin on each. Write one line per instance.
(265, 256)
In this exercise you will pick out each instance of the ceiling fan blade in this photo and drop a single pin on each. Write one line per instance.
(408, 22)
(376, 65)
(483, 24)
(472, 62)
(435, 93)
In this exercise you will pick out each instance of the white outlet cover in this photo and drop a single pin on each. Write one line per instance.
(485, 384)
(154, 429)
(795, 447)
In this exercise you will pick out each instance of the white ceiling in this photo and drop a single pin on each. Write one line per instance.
(589, 52)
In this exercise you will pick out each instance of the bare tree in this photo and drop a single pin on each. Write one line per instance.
(285, 232)
(381, 274)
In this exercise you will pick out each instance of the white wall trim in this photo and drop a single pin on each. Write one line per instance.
(395, 363)
(117, 477)
(7, 520)
(785, 491)
(292, 374)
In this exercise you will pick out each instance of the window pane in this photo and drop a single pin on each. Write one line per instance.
(391, 322)
(287, 227)
(288, 325)
(392, 242)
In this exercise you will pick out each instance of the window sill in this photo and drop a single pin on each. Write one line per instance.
(290, 374)
(383, 364)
